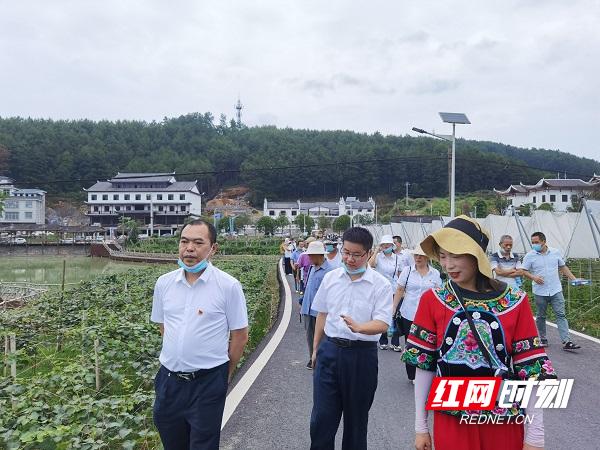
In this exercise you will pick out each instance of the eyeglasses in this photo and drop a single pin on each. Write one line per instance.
(347, 254)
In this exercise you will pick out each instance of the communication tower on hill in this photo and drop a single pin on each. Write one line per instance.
(238, 107)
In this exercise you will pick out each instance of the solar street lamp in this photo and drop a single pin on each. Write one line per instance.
(453, 118)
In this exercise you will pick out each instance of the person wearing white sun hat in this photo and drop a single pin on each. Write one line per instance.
(319, 267)
(388, 264)
(413, 281)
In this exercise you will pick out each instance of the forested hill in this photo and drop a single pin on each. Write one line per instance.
(276, 163)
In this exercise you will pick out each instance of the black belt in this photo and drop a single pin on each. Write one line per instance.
(341, 342)
(189, 376)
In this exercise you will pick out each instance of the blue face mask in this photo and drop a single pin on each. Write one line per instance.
(354, 272)
(329, 248)
(537, 247)
(195, 268)
(389, 250)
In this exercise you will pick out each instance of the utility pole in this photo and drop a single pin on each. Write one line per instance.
(407, 184)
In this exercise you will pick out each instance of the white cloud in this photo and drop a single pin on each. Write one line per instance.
(523, 71)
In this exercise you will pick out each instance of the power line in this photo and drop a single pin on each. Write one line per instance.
(480, 161)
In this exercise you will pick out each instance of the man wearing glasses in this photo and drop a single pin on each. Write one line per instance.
(354, 305)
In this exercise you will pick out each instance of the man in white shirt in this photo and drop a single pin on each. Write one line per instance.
(405, 253)
(198, 308)
(354, 305)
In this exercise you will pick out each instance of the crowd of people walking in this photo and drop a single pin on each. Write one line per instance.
(357, 298)
(357, 295)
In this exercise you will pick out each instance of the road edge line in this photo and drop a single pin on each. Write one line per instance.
(243, 385)
(576, 333)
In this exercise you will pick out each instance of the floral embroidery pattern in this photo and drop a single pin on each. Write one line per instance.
(465, 349)
(418, 357)
(506, 301)
(424, 334)
(526, 344)
(539, 369)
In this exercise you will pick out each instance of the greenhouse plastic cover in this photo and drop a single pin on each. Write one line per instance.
(568, 232)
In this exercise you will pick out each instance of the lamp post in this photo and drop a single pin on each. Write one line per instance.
(201, 195)
(452, 118)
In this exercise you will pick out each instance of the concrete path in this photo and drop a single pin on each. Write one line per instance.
(275, 412)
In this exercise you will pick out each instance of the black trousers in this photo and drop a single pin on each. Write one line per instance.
(410, 370)
(287, 264)
(344, 381)
(188, 414)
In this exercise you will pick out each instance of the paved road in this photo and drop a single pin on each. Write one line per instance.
(275, 412)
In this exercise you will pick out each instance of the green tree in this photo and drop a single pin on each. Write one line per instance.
(2, 198)
(546, 207)
(266, 225)
(282, 222)
(241, 221)
(526, 209)
(576, 204)
(304, 222)
(363, 219)
(223, 224)
(481, 208)
(341, 223)
(130, 228)
(323, 222)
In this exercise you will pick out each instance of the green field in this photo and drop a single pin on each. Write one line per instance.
(237, 246)
(54, 403)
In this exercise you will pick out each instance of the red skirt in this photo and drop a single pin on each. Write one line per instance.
(450, 434)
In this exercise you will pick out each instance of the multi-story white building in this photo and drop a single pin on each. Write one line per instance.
(156, 200)
(556, 192)
(349, 206)
(22, 205)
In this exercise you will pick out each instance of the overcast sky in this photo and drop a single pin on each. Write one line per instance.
(525, 72)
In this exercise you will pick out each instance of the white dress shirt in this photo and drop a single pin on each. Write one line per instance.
(390, 266)
(336, 261)
(416, 285)
(368, 298)
(197, 318)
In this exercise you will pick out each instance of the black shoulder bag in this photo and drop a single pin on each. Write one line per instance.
(397, 315)
(497, 371)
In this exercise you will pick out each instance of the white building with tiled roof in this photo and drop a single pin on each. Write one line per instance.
(156, 200)
(22, 205)
(557, 192)
(349, 206)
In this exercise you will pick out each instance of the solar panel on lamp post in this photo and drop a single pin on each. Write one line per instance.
(452, 118)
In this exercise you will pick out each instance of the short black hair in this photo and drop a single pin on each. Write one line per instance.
(212, 231)
(539, 234)
(359, 235)
(398, 238)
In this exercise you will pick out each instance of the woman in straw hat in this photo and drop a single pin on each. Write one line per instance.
(414, 280)
(441, 343)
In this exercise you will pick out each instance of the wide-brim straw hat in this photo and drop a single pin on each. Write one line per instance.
(459, 236)
(316, 248)
(418, 251)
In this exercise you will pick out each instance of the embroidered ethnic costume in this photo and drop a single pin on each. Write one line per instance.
(440, 339)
